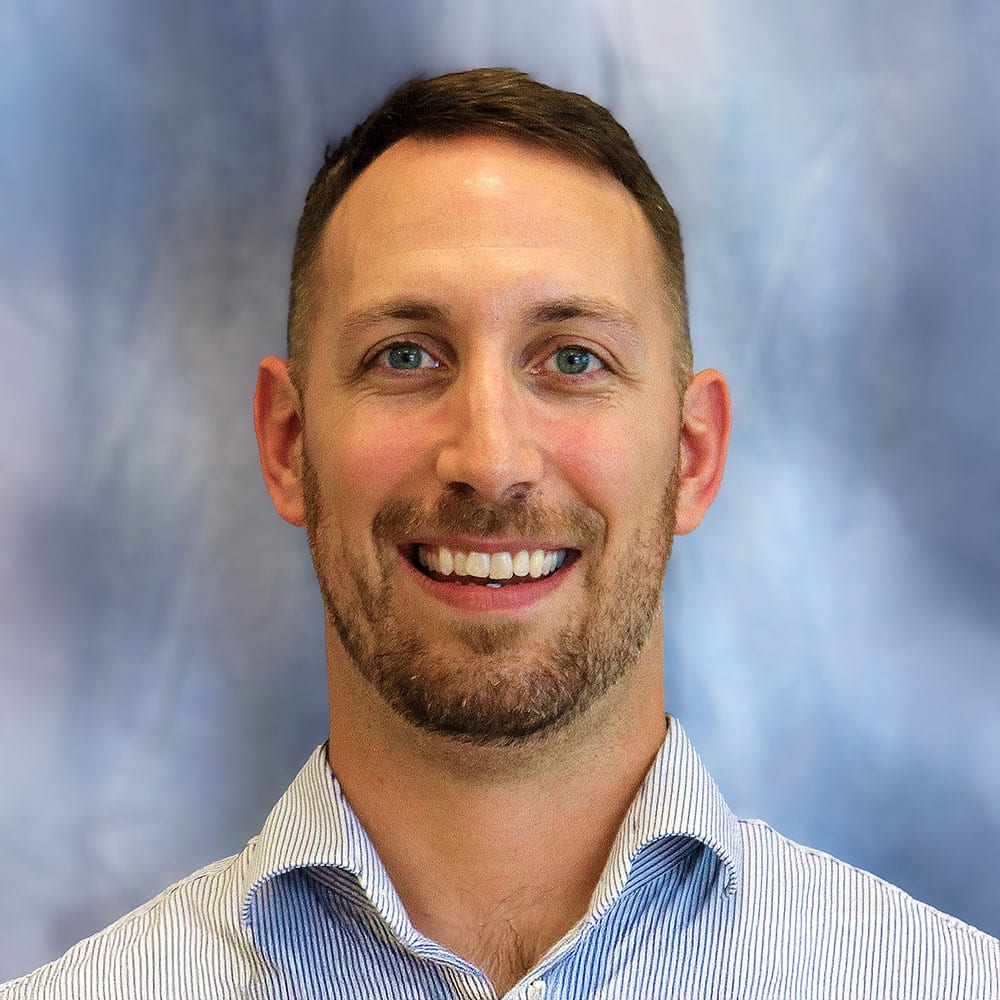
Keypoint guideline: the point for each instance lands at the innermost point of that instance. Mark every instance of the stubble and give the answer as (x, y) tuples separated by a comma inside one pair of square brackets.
[(490, 684)]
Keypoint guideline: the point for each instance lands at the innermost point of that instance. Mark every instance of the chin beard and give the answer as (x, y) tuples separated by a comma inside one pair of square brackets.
[(491, 685), (490, 689)]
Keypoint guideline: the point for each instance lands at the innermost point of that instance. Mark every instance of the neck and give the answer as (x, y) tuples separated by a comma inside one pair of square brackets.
[(495, 852)]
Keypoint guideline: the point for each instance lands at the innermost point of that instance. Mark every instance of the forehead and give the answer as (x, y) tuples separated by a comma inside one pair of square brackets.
[(475, 175), (481, 215)]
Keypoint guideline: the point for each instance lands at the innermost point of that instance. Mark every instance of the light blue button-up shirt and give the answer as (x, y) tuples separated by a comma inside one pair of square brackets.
[(693, 904)]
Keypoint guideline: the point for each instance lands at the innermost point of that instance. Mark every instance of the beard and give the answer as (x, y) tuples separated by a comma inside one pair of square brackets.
[(489, 684)]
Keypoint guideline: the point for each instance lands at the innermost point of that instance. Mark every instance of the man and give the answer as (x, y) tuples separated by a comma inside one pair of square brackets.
[(488, 424)]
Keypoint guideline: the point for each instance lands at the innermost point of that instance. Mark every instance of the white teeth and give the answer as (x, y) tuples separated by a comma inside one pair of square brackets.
[(501, 566), (536, 563), (445, 561), (490, 565), (477, 564)]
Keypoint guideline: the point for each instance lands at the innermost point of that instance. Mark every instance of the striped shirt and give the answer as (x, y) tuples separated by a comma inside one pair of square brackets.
[(693, 903)]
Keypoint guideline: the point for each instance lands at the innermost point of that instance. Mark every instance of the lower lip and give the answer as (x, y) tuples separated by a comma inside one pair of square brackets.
[(481, 598)]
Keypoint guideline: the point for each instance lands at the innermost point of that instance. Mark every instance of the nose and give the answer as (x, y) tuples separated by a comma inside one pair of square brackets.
[(490, 445)]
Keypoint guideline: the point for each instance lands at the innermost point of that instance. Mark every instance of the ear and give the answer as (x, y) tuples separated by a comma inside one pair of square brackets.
[(277, 419), (704, 438)]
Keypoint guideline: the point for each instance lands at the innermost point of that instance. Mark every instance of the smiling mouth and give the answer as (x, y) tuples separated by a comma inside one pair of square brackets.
[(488, 569)]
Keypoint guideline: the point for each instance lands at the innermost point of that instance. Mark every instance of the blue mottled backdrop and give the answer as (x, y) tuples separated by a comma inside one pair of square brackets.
[(834, 627)]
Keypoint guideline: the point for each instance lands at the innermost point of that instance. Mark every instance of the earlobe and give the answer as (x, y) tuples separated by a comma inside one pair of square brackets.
[(704, 438), (277, 418)]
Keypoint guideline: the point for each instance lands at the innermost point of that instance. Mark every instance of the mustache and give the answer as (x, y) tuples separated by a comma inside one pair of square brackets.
[(574, 525)]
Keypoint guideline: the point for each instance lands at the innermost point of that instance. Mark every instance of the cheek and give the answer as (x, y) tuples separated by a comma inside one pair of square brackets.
[(361, 458), (618, 467)]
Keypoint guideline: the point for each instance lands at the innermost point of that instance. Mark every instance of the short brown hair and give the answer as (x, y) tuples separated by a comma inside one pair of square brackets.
[(505, 103)]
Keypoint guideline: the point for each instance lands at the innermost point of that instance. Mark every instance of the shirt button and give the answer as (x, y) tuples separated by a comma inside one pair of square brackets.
[(536, 989)]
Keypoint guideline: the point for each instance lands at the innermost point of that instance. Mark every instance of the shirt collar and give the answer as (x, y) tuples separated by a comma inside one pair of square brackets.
[(678, 807), (312, 826)]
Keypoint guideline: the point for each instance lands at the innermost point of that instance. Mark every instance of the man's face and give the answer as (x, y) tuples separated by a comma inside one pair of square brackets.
[(490, 435)]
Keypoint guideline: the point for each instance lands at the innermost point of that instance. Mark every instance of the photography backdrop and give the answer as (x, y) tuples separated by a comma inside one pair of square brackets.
[(834, 626)]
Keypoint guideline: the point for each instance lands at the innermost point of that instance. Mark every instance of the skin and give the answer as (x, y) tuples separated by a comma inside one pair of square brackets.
[(504, 840)]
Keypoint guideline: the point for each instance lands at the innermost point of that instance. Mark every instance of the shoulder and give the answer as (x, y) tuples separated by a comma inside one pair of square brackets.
[(187, 941), (856, 930)]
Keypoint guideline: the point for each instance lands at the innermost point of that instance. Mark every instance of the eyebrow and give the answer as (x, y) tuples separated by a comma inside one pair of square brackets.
[(411, 310), (572, 307)]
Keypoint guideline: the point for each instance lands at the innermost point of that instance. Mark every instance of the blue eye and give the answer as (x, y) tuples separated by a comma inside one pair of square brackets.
[(407, 357), (575, 360)]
